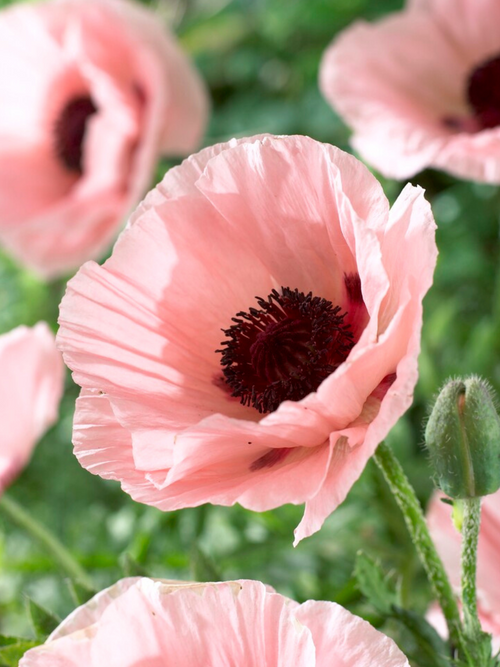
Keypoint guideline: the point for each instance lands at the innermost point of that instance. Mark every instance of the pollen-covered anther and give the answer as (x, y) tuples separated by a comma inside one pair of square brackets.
[(285, 349)]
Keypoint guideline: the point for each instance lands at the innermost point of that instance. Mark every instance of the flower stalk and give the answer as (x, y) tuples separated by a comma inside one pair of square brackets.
[(470, 536), (48, 540), (478, 641), (407, 500)]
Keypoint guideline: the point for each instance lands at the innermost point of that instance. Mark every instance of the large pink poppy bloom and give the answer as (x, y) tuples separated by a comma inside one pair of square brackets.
[(448, 543), (139, 622), (420, 88), (92, 92), (31, 384), (255, 333)]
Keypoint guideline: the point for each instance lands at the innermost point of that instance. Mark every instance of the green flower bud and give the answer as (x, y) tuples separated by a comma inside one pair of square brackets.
[(463, 437)]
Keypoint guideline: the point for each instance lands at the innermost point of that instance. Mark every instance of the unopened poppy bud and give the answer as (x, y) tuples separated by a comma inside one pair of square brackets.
[(463, 437)]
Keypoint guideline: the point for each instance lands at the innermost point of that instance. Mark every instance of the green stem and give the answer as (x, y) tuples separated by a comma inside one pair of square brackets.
[(59, 552), (470, 536), (478, 642), (408, 503)]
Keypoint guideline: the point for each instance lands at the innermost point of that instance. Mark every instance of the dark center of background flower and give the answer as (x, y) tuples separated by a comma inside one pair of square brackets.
[(285, 349), (483, 93), (70, 131)]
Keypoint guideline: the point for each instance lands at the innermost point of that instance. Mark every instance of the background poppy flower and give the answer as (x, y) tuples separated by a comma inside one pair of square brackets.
[(93, 92), (420, 88), (31, 385), (139, 622)]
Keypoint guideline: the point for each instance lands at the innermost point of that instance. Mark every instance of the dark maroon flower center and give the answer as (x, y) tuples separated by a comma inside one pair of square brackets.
[(285, 349), (70, 131), (483, 93)]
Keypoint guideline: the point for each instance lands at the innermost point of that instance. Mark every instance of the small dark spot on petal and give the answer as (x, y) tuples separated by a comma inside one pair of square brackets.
[(352, 283), (452, 123), (465, 124), (220, 382), (270, 459), (140, 93)]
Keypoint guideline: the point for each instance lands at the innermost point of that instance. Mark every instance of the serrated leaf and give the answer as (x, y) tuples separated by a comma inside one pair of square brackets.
[(374, 584), (433, 651), (79, 594), (42, 620), (130, 567), (203, 567), (11, 653)]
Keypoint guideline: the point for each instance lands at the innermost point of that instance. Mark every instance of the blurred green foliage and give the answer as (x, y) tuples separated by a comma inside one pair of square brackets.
[(260, 60)]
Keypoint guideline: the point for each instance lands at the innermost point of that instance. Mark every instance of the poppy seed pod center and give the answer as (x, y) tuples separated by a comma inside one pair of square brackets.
[(70, 130), (483, 92), (285, 349)]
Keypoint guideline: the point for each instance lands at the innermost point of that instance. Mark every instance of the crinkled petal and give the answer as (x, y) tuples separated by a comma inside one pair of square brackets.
[(222, 624), (353, 642), (139, 622)]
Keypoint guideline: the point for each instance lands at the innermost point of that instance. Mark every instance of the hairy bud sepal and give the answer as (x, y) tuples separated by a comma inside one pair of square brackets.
[(463, 438)]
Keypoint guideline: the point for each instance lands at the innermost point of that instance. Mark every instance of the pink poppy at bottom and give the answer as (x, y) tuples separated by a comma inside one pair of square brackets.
[(255, 334), (448, 543), (93, 91), (31, 385), (142, 622), (420, 88)]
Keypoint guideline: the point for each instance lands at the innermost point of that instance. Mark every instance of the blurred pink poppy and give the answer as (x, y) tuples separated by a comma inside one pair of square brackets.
[(93, 91), (142, 622), (420, 88), (255, 333), (448, 541), (31, 385)]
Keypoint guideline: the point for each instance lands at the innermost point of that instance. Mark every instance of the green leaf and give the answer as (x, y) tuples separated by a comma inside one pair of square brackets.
[(42, 620), (12, 650), (433, 651), (130, 567), (203, 567), (374, 584), (79, 594)]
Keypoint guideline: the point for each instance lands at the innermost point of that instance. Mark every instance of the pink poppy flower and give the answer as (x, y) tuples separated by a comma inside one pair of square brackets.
[(31, 385), (139, 622), (420, 88), (255, 333), (92, 92), (448, 543)]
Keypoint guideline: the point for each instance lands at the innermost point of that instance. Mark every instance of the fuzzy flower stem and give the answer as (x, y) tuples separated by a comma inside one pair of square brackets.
[(58, 551), (407, 500), (478, 642), (470, 536)]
